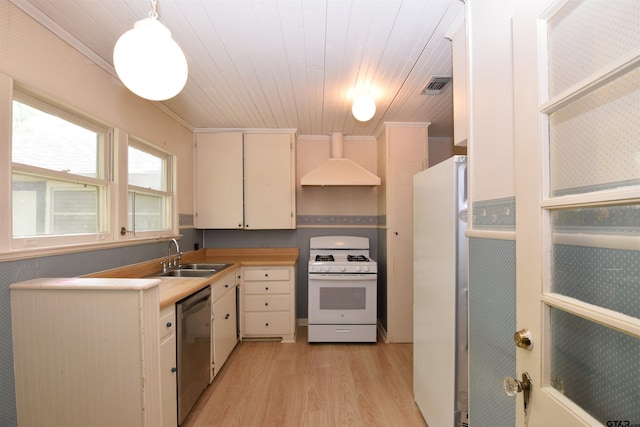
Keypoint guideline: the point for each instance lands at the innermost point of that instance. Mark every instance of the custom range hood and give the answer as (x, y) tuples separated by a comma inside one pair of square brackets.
[(339, 170)]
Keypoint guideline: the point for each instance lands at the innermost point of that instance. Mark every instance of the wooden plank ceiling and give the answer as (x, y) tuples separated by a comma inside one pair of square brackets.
[(284, 63)]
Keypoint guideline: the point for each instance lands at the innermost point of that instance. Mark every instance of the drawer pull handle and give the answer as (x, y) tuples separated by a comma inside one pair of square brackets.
[(266, 288), (226, 285), (174, 369), (266, 303), (169, 324), (266, 324), (266, 274), (227, 316)]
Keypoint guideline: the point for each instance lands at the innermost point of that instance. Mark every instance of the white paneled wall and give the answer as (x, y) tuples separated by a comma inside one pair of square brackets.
[(86, 352)]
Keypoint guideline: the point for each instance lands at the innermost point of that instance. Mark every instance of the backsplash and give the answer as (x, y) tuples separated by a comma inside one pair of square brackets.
[(298, 238)]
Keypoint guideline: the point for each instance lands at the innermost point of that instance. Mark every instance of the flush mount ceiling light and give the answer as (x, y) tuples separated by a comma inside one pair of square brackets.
[(364, 107), (148, 61)]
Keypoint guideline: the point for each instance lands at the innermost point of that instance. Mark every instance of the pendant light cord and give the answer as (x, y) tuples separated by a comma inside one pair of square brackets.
[(153, 13)]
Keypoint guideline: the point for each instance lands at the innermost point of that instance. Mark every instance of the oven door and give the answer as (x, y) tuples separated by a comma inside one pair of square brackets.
[(342, 299)]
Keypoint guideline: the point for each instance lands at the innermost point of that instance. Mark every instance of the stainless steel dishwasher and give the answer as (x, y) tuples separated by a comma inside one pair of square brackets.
[(193, 316)]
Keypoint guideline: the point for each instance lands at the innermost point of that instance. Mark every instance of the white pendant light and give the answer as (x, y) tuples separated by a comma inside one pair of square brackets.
[(148, 61), (364, 107)]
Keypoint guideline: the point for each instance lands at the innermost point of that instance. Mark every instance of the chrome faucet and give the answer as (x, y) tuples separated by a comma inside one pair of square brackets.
[(177, 262)]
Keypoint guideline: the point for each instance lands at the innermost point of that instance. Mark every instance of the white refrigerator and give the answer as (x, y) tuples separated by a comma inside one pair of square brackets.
[(440, 338)]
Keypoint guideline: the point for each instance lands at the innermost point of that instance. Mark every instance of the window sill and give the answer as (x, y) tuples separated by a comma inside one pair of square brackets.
[(18, 254)]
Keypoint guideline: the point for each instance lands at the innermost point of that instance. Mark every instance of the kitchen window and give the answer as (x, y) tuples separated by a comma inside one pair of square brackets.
[(61, 176), (63, 186), (150, 185)]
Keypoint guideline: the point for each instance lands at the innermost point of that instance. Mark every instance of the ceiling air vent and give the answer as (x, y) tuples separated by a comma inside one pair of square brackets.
[(435, 85)]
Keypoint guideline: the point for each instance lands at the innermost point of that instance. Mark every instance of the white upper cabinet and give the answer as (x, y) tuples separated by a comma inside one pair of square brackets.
[(245, 181), (219, 180)]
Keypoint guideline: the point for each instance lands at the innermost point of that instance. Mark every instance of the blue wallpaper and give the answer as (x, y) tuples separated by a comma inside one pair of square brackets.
[(492, 322), (69, 265)]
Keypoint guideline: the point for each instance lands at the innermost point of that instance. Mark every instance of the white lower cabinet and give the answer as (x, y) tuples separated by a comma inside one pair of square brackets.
[(168, 366), (224, 325), (86, 352), (269, 303)]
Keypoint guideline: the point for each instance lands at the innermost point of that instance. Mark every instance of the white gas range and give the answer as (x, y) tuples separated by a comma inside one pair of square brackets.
[(342, 290)]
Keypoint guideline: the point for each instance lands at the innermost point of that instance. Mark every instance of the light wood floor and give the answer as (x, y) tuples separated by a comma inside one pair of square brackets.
[(301, 384)]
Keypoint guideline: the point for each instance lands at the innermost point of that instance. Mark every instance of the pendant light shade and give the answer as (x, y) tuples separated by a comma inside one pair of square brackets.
[(363, 108), (149, 62)]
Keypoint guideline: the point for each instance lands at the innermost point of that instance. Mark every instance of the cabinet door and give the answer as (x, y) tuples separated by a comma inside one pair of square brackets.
[(219, 180), (407, 156), (168, 367), (269, 187), (224, 324), (400, 256)]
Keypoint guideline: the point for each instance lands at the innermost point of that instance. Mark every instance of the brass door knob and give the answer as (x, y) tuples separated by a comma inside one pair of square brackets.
[(523, 339)]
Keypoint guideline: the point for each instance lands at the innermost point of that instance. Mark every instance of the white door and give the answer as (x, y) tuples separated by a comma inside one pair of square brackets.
[(577, 139)]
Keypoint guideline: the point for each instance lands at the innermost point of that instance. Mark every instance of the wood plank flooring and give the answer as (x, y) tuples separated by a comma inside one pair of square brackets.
[(301, 384)]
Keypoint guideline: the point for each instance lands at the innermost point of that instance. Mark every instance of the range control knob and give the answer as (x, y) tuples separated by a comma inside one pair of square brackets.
[(343, 268)]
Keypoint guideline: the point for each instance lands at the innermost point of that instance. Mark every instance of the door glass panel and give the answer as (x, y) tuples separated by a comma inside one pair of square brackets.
[(585, 36), (594, 257), (586, 263), (594, 140), (596, 367)]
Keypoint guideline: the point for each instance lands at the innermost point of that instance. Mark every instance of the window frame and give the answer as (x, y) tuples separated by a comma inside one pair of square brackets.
[(112, 173), (104, 179), (168, 194)]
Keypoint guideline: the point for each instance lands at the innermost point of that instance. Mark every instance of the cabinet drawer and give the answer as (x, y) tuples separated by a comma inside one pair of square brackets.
[(266, 302), (266, 288), (167, 322), (221, 286), (267, 323), (266, 274)]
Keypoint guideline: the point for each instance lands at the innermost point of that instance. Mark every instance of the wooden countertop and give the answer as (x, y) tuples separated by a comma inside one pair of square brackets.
[(173, 289)]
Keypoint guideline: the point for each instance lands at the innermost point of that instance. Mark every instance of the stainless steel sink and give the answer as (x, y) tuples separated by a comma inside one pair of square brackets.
[(187, 273), (204, 266)]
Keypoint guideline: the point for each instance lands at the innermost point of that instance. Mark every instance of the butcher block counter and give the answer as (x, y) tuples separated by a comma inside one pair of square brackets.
[(173, 289)]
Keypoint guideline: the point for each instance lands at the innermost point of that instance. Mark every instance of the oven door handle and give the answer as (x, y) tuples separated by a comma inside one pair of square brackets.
[(341, 277)]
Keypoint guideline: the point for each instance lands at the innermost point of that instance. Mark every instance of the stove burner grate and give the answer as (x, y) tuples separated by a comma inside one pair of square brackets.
[(357, 258), (324, 258)]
